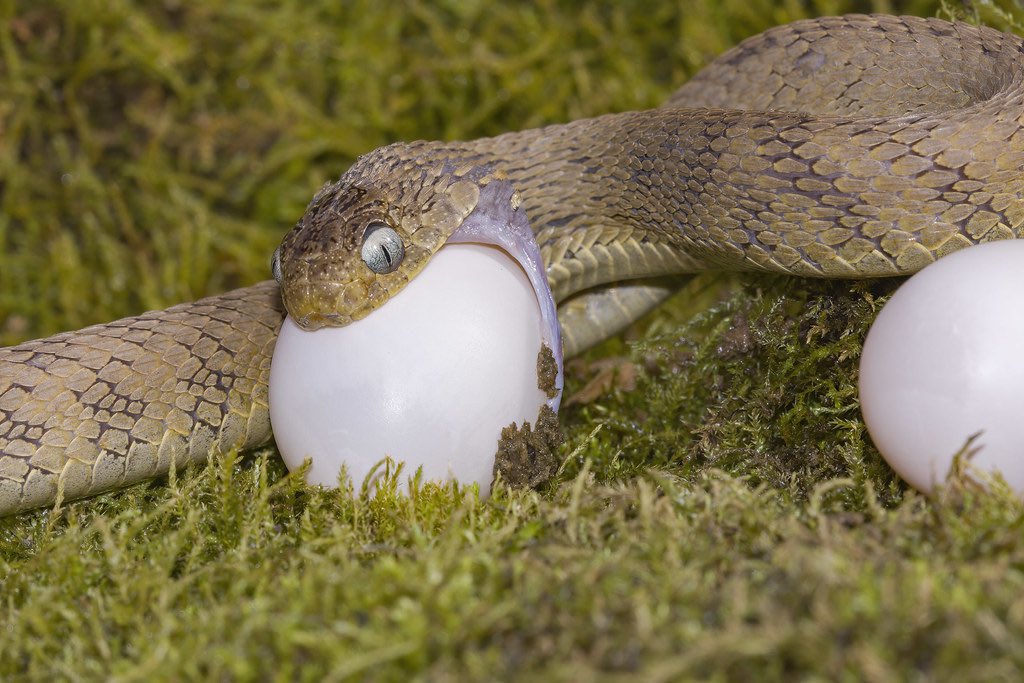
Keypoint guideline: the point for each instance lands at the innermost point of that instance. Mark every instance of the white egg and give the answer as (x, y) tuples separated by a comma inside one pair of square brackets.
[(944, 361), (429, 379)]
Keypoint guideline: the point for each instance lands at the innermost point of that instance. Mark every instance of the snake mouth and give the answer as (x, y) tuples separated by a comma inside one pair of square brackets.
[(315, 321), (309, 311), (319, 303)]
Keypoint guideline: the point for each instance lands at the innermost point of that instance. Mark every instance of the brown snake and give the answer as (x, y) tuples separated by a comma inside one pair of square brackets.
[(839, 147)]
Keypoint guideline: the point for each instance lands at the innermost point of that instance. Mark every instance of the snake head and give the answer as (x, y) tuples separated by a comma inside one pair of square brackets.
[(362, 238), (324, 278)]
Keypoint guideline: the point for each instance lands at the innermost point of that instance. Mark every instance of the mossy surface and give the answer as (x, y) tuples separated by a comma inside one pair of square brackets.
[(718, 514)]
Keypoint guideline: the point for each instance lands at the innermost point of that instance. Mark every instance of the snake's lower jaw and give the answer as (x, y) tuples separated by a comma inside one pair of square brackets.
[(498, 220)]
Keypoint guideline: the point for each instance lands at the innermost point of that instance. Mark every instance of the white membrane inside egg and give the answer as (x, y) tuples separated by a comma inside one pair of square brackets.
[(429, 379)]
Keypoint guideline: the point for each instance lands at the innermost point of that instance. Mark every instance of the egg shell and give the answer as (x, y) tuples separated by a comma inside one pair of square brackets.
[(944, 361), (430, 378)]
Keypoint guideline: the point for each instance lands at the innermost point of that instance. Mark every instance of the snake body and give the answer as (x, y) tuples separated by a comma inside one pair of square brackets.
[(857, 146)]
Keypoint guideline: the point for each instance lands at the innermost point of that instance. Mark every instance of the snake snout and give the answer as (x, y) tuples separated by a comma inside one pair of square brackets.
[(327, 303)]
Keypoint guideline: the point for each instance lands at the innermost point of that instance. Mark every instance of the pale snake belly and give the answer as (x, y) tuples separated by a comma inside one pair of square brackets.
[(858, 146)]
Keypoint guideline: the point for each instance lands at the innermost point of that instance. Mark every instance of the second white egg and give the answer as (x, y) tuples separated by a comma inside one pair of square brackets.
[(943, 363)]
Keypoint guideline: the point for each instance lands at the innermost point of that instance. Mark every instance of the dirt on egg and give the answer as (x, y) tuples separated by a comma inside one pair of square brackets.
[(527, 455)]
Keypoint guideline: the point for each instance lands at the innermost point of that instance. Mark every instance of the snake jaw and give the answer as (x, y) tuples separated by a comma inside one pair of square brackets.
[(314, 304), (315, 321), (499, 220)]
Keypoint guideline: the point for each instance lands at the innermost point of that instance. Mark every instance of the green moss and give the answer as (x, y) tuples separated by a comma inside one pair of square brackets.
[(726, 519), (762, 385)]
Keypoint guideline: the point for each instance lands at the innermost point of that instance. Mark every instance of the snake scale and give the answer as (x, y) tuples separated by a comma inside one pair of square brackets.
[(856, 146)]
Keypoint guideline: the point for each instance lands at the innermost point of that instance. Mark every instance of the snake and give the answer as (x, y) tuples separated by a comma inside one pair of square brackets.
[(858, 146)]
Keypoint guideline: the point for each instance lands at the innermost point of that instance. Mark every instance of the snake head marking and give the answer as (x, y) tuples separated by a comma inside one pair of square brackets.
[(362, 238), (342, 259)]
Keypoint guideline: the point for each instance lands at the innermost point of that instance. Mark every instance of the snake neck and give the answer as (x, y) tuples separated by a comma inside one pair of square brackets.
[(856, 183), (579, 189), (644, 194)]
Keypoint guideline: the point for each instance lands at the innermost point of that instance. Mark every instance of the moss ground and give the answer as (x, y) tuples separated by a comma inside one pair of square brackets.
[(719, 513)]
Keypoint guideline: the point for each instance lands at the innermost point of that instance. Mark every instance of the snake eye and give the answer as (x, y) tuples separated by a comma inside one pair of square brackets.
[(382, 248), (275, 265)]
